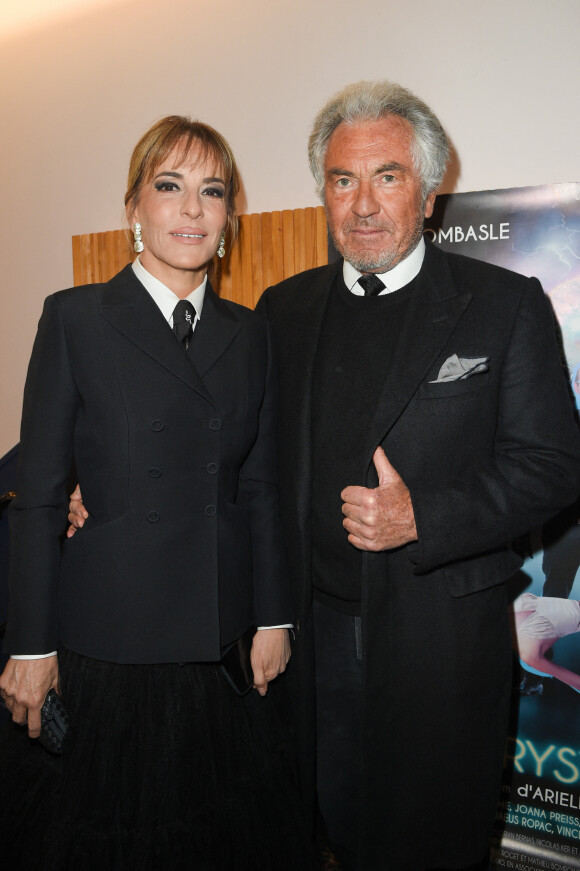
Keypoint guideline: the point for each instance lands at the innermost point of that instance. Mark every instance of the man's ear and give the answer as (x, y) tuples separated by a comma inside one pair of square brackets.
[(429, 204)]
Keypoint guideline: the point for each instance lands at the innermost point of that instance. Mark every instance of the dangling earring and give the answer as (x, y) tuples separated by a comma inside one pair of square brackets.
[(138, 243), (222, 247)]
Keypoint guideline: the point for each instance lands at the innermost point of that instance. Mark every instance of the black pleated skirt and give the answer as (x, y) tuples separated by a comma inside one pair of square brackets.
[(164, 768)]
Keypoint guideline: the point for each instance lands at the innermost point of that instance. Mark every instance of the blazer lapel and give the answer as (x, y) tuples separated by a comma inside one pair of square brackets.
[(214, 332), (302, 340), (432, 317), (302, 328), (127, 306)]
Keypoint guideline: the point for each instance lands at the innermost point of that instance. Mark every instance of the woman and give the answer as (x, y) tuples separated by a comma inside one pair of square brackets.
[(171, 436), (541, 621)]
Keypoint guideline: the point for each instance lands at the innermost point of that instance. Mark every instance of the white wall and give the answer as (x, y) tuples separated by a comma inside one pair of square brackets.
[(78, 90)]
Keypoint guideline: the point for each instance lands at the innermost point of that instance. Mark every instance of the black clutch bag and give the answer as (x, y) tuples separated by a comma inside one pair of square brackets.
[(236, 664), (53, 723)]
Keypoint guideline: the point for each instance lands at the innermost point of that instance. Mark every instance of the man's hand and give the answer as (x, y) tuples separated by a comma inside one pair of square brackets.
[(381, 518), (24, 685), (269, 656), (77, 512)]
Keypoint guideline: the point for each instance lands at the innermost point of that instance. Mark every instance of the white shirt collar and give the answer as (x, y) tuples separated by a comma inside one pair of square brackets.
[(397, 277), (164, 297)]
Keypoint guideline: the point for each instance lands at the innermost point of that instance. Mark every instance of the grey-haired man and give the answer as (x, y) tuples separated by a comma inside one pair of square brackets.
[(425, 423)]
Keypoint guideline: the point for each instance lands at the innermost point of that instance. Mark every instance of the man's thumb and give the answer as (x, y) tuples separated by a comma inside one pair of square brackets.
[(387, 474)]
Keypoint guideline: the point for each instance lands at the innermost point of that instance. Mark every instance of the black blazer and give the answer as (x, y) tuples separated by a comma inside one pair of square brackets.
[(175, 455)]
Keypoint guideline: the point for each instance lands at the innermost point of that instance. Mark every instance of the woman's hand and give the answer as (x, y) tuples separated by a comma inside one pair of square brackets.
[(269, 656), (24, 685), (77, 513)]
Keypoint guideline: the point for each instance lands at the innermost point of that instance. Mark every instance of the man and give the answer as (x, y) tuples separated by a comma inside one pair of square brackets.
[(425, 423)]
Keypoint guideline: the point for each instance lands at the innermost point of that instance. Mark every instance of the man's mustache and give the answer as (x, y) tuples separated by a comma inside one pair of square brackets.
[(365, 224)]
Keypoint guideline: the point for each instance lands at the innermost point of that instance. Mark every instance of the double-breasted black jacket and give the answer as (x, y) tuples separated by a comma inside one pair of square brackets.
[(175, 455), (486, 459)]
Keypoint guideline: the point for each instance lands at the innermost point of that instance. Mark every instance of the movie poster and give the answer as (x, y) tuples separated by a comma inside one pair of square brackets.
[(536, 231)]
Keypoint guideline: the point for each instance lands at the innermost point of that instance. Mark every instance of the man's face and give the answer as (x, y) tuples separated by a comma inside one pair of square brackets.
[(374, 204)]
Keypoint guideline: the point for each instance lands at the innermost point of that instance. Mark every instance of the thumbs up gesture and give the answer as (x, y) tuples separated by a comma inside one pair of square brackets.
[(381, 518)]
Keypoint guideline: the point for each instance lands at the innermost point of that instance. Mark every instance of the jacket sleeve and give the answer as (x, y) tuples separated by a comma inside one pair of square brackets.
[(38, 513), (534, 469)]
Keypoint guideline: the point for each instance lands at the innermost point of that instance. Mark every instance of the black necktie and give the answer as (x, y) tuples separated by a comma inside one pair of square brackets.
[(371, 284), (183, 320)]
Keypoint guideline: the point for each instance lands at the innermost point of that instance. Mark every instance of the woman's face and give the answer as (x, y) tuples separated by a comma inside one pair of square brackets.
[(182, 212)]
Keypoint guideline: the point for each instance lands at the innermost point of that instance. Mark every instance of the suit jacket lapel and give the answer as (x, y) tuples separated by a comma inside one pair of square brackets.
[(127, 306), (302, 328), (303, 343), (433, 313)]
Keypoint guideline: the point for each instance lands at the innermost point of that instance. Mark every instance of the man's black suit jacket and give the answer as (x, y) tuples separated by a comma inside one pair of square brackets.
[(486, 459), (175, 455)]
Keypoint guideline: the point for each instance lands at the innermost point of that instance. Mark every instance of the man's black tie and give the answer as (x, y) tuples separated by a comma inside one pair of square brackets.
[(183, 320), (371, 284)]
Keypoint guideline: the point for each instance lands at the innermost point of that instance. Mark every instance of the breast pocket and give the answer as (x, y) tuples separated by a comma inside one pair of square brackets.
[(446, 389)]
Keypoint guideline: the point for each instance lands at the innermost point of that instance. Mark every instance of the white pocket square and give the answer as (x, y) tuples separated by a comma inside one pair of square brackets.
[(459, 368)]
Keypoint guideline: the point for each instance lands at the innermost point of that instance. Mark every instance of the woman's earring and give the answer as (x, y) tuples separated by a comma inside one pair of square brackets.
[(222, 246), (138, 243)]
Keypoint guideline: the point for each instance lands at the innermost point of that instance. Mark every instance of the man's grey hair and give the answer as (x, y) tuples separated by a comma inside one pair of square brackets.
[(370, 101)]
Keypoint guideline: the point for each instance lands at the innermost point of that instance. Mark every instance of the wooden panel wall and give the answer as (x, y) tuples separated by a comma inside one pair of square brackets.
[(99, 256), (271, 246)]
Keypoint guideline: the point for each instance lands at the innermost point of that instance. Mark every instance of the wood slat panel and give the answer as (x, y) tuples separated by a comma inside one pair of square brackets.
[(321, 235), (244, 282), (257, 277), (271, 246), (99, 256), (77, 260), (288, 243), (299, 240), (267, 253), (275, 249)]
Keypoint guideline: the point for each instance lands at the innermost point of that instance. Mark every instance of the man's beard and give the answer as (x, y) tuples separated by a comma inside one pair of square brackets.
[(382, 260)]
